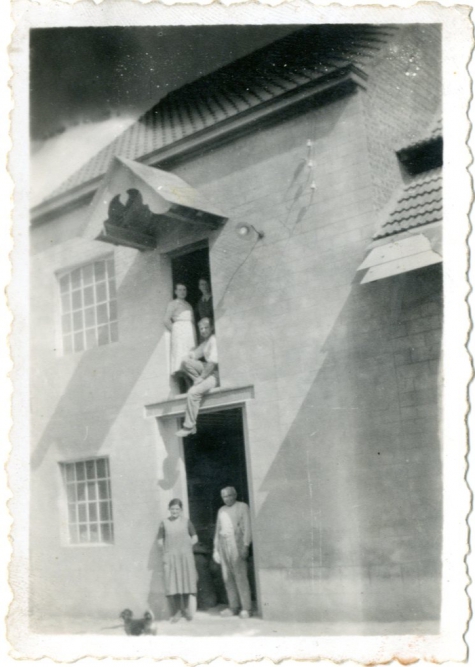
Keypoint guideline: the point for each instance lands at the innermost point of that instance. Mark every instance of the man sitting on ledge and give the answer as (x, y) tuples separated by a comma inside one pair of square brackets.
[(201, 366)]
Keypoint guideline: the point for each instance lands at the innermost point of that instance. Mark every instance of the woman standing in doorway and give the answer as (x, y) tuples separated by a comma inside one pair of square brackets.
[(179, 321), (177, 536)]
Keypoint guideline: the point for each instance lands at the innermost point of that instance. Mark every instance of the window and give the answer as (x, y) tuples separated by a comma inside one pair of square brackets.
[(89, 306), (88, 494)]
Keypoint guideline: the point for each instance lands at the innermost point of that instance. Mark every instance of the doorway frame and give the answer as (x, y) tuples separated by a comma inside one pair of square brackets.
[(187, 249), (250, 482)]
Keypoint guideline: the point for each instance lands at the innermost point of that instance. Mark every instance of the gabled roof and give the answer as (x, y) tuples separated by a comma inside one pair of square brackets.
[(293, 62), (420, 204), (411, 237)]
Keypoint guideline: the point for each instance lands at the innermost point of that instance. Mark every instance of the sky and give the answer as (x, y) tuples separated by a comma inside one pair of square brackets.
[(87, 74), (87, 85)]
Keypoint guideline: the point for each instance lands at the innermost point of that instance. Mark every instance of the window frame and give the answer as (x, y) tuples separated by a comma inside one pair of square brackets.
[(60, 336), (66, 524)]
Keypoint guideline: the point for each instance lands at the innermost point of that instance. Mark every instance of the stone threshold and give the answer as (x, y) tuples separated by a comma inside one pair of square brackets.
[(216, 399)]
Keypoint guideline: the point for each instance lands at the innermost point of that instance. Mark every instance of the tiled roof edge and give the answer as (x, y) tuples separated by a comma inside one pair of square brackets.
[(349, 77)]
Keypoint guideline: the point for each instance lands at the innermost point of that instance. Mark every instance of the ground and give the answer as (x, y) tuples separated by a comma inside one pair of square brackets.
[(211, 624)]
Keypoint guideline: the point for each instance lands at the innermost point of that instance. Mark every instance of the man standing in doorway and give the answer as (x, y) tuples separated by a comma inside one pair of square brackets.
[(231, 550), (201, 366)]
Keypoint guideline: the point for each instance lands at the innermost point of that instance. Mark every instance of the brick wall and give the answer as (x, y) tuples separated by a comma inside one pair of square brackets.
[(402, 100)]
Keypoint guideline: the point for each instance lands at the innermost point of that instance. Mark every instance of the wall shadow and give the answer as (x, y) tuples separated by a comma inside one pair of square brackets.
[(354, 495), (102, 381)]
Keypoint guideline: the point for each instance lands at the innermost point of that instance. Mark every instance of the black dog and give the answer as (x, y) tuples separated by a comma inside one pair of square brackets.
[(137, 626)]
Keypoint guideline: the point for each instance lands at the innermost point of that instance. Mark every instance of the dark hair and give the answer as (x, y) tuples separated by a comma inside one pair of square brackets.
[(175, 501), (207, 280)]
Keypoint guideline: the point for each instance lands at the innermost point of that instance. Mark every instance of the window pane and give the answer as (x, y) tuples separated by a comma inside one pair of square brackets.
[(104, 511), (112, 310), (89, 508), (103, 490), (87, 274), (101, 468), (64, 283), (106, 530), (88, 300), (103, 335), (102, 314), (80, 471), (76, 279), (92, 512), (65, 303), (67, 344), (90, 469), (78, 342), (77, 320), (66, 324), (91, 340), (72, 513), (101, 294), (77, 299), (90, 317), (91, 490), (82, 516), (88, 296), (114, 332), (99, 270)]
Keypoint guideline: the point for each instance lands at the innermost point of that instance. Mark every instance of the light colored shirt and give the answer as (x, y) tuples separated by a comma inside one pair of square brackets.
[(239, 516), (208, 349)]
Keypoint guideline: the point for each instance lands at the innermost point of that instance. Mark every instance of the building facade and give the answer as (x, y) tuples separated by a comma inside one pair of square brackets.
[(304, 182)]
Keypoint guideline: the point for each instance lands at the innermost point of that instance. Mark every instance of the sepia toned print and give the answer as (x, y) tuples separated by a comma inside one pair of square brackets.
[(236, 325)]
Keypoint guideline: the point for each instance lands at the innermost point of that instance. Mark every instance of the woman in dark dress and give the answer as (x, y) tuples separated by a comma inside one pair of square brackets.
[(177, 536)]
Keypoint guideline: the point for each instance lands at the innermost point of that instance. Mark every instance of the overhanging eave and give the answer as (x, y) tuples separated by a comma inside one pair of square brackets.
[(135, 202), (401, 253)]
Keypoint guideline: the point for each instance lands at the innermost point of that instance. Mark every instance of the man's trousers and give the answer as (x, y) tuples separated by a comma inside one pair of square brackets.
[(193, 368), (236, 582)]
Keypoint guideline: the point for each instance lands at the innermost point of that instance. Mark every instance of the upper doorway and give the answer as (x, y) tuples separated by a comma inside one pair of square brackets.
[(188, 268)]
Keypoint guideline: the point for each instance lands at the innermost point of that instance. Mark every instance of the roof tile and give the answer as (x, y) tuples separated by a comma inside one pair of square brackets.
[(420, 204), (284, 65)]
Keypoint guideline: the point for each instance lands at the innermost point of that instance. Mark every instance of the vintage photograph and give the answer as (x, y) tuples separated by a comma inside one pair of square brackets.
[(236, 317)]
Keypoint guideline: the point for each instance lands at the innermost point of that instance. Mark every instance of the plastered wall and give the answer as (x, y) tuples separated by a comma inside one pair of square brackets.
[(342, 432)]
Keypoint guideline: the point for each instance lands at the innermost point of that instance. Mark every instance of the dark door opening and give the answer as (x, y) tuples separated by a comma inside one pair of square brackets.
[(214, 458), (188, 268)]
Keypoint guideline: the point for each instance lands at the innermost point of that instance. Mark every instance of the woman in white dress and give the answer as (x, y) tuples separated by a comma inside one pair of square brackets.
[(179, 321)]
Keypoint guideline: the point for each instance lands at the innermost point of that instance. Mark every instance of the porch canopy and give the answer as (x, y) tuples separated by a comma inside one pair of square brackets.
[(136, 203)]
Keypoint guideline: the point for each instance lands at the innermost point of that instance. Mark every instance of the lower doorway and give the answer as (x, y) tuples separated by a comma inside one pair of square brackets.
[(214, 458)]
